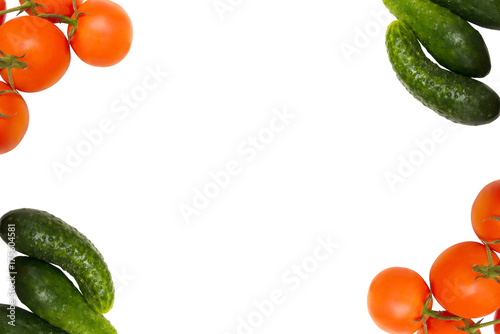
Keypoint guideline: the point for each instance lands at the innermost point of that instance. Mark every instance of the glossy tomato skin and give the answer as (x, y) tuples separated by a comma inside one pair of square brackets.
[(438, 326), (3, 6), (104, 33), (485, 206), (454, 284), (45, 50), (396, 298), (13, 128), (59, 7)]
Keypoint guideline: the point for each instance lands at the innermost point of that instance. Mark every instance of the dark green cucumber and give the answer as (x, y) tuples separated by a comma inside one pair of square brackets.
[(450, 39), (41, 235), (459, 98), (484, 13), (16, 320), (49, 293)]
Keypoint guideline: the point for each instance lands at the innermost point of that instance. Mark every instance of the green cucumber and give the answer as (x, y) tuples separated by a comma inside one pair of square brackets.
[(456, 97), (16, 320), (49, 293), (484, 13), (41, 235), (450, 39)]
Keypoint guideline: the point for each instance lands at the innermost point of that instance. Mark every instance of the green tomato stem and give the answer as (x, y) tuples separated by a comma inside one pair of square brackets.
[(62, 18), (474, 328), (24, 7), (435, 314)]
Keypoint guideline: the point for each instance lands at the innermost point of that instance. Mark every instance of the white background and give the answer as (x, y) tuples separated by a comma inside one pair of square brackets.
[(322, 177)]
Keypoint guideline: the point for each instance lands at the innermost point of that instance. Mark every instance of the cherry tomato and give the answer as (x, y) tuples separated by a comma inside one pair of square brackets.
[(59, 7), (454, 284), (12, 128), (439, 326), (103, 35), (396, 298), (3, 6), (485, 206), (41, 45)]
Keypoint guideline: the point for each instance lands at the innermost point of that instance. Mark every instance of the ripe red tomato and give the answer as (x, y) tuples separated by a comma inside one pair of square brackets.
[(103, 35), (59, 7), (12, 128), (485, 206), (3, 6), (439, 326), (396, 298), (454, 284), (45, 50)]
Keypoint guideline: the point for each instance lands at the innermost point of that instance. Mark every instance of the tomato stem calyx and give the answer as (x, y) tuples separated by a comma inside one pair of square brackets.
[(10, 62), (468, 328), (489, 271)]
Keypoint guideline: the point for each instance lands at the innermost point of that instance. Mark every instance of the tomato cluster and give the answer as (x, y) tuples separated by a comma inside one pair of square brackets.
[(35, 54), (464, 280)]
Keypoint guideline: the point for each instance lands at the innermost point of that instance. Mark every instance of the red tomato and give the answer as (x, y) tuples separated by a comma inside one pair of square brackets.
[(3, 6), (103, 35), (454, 284), (12, 128), (59, 7), (396, 298), (45, 50), (438, 326), (485, 206)]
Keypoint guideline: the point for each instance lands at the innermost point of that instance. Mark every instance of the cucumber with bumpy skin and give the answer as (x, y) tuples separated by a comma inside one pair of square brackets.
[(19, 321), (43, 236), (484, 13), (450, 39), (49, 293), (458, 98)]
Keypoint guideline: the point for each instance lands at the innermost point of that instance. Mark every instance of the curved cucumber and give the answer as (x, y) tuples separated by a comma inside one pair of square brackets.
[(450, 39), (458, 98), (41, 235), (49, 293), (20, 321), (484, 13)]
